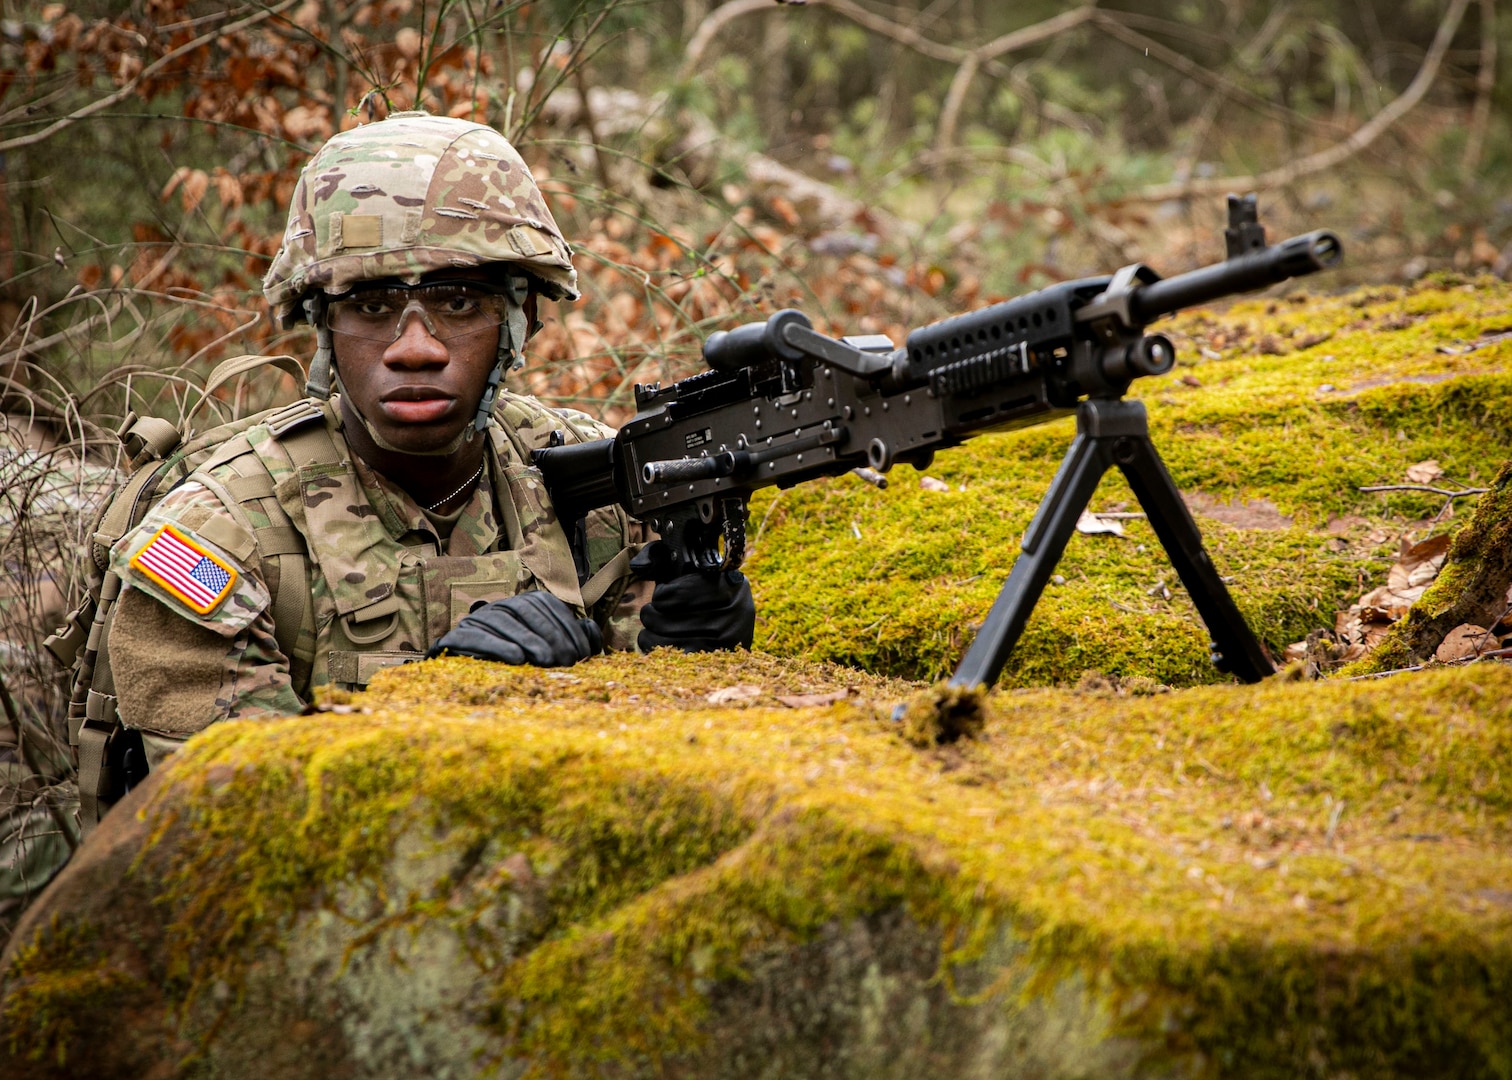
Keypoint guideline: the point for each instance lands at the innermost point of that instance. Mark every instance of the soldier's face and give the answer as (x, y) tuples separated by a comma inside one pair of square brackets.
[(417, 390)]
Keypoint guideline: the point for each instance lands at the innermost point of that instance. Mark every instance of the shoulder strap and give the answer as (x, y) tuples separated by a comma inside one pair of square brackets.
[(227, 370), (281, 546)]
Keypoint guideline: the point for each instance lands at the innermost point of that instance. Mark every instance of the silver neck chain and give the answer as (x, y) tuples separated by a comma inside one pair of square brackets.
[(471, 480)]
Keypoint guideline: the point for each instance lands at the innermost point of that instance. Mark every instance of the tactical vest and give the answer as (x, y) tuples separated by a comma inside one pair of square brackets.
[(294, 499)]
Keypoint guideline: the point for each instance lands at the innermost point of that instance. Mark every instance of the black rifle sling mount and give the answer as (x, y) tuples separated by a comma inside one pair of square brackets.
[(1112, 432)]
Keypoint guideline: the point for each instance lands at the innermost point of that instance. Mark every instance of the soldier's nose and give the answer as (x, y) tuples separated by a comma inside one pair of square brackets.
[(415, 346)]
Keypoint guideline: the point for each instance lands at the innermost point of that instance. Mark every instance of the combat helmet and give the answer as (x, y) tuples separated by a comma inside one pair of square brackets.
[(405, 196)]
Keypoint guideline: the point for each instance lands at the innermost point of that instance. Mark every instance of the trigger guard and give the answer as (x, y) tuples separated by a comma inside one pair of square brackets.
[(734, 529)]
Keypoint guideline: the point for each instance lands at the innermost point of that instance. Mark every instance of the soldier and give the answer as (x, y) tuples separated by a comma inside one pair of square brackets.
[(399, 517)]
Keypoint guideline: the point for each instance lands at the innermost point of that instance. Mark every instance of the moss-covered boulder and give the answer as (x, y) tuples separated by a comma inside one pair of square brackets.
[(735, 866), (1277, 414)]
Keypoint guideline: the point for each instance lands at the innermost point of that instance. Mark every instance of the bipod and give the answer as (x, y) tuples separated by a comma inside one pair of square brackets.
[(1112, 432)]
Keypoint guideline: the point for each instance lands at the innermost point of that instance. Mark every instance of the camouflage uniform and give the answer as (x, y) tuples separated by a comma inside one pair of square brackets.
[(405, 197), (383, 583)]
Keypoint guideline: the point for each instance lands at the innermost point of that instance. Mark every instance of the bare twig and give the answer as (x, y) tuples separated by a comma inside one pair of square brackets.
[(1426, 488), (960, 85), (1376, 126), (1383, 674), (725, 14), (129, 87), (118, 299), (1116, 24)]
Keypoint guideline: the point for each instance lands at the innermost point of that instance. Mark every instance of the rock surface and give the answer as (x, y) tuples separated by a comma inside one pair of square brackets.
[(478, 870)]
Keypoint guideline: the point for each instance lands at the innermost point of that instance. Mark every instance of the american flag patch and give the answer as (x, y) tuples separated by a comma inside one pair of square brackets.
[(185, 569)]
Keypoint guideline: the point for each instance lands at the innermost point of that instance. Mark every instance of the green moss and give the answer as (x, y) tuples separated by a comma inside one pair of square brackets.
[(1264, 877), (896, 581), (52, 986)]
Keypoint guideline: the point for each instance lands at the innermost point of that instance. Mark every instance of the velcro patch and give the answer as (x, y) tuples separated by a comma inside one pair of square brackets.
[(185, 569), (529, 242), (360, 230)]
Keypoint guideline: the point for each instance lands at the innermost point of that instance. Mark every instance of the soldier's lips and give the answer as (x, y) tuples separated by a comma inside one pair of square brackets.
[(411, 406)]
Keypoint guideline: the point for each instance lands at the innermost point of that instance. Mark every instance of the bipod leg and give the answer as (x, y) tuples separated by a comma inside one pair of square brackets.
[(1236, 649), (1044, 542)]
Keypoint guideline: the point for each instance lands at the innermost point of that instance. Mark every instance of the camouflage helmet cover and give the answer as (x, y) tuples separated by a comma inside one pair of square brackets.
[(408, 195)]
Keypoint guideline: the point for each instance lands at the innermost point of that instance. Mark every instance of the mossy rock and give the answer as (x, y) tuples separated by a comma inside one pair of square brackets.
[(734, 866), (1277, 413)]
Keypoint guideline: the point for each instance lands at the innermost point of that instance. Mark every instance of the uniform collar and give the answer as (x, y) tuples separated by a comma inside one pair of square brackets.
[(476, 531)]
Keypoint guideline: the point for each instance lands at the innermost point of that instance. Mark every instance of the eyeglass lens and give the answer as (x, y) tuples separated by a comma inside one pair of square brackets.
[(449, 311)]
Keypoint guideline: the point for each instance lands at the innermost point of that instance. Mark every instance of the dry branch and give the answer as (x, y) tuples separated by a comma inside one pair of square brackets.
[(955, 97), (28, 349), (725, 14), (1333, 155), (1117, 25), (129, 87), (616, 111)]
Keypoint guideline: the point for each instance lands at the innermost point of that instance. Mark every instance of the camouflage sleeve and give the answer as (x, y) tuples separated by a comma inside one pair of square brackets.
[(192, 641)]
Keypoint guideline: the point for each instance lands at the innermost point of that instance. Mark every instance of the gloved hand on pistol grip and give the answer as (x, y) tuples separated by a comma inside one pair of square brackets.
[(695, 611), (530, 628)]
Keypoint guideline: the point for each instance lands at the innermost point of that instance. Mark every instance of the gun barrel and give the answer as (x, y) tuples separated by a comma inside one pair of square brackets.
[(1296, 257), (580, 477)]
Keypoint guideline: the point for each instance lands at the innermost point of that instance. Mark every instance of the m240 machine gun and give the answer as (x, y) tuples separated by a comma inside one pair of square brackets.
[(782, 404)]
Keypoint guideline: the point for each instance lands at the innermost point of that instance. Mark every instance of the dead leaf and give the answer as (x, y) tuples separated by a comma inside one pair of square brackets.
[(735, 695), (306, 123), (408, 42), (1369, 618), (1464, 642), (1418, 564), (1093, 524), (803, 701), (1424, 472)]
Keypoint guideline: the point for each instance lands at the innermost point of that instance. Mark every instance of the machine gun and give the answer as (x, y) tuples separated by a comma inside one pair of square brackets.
[(782, 403)]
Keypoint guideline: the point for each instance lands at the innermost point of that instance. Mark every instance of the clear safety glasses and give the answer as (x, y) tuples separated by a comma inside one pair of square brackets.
[(449, 310)]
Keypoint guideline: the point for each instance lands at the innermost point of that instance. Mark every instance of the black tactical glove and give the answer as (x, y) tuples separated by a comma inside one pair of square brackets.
[(696, 612), (531, 628)]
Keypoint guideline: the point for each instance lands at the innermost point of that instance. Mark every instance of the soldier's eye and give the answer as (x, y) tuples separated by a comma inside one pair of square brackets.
[(371, 307), (459, 304)]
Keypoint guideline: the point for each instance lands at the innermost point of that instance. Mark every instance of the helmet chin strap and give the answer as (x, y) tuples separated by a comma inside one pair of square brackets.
[(511, 352), (318, 385), (324, 375)]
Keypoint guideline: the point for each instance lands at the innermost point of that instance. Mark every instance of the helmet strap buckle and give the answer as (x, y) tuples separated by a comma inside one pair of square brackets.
[(318, 384)]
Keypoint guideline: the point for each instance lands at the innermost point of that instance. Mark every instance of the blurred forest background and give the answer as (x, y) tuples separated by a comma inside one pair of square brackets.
[(878, 163)]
